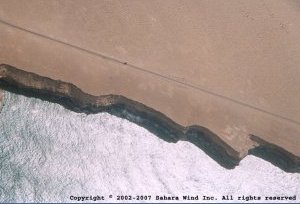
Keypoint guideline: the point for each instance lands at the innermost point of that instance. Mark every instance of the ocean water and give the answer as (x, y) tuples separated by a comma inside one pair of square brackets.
[(48, 153)]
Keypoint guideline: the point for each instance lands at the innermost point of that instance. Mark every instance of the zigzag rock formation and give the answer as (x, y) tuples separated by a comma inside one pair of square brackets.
[(73, 98)]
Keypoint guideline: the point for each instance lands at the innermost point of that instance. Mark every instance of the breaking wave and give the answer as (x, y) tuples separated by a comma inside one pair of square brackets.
[(48, 153)]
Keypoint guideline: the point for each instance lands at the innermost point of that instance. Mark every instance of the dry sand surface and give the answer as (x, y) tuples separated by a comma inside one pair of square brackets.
[(230, 66)]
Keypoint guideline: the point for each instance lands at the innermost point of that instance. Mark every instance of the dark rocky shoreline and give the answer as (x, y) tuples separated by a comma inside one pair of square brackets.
[(72, 98)]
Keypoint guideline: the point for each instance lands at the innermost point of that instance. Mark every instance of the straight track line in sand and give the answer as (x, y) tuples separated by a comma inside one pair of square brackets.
[(131, 66)]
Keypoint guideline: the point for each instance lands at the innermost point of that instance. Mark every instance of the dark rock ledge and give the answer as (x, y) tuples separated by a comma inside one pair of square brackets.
[(72, 98)]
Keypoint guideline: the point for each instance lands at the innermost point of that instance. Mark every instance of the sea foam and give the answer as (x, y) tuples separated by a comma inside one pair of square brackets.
[(48, 153)]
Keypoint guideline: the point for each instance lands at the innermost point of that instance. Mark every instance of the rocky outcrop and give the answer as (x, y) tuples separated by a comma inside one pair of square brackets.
[(71, 97)]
